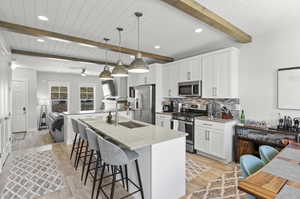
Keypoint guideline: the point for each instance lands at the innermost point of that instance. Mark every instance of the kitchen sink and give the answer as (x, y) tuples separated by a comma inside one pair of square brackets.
[(131, 125)]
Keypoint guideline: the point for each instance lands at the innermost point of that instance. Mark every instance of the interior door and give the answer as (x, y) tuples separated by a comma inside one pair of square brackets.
[(19, 106), (5, 109)]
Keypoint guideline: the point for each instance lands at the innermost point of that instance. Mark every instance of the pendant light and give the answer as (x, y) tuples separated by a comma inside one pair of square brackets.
[(138, 65), (105, 74), (119, 70)]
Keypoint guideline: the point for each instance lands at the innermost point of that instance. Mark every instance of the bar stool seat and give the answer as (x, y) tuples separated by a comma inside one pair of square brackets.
[(118, 157), (131, 155)]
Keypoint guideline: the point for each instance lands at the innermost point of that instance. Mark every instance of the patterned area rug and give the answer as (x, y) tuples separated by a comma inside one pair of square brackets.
[(32, 175), (194, 169), (224, 187)]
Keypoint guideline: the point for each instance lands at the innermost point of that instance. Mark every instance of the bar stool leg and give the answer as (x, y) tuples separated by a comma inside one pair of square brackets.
[(77, 151), (89, 166), (126, 176), (113, 183), (101, 179), (122, 176), (96, 172), (84, 161), (73, 147), (80, 151), (139, 178)]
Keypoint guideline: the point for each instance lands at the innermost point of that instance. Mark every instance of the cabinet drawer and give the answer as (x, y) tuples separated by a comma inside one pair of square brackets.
[(162, 116), (210, 124)]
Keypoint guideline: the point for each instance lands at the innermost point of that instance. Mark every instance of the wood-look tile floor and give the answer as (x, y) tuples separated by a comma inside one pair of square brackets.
[(74, 188)]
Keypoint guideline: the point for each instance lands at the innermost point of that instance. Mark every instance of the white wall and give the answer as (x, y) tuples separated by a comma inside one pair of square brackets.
[(30, 77), (74, 81), (259, 62)]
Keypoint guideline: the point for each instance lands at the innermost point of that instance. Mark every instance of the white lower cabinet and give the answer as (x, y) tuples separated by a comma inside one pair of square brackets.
[(163, 121), (215, 139), (201, 142)]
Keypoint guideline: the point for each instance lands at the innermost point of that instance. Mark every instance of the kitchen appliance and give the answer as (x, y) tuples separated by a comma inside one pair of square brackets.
[(185, 121), (168, 107), (144, 103), (193, 88)]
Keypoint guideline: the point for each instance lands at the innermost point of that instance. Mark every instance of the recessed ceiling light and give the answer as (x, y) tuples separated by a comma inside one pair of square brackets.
[(198, 30), (43, 18), (40, 40), (57, 39), (157, 47)]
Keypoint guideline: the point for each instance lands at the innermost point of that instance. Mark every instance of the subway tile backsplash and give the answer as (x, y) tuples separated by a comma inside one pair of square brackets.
[(233, 104)]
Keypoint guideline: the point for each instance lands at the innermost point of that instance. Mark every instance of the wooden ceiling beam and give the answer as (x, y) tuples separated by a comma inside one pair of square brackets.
[(195, 9), (45, 55), (44, 33)]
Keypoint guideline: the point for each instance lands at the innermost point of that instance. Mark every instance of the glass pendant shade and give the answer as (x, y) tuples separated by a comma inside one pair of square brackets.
[(138, 65)]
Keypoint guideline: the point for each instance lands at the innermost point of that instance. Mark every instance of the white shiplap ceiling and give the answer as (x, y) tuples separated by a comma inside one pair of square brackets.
[(161, 25)]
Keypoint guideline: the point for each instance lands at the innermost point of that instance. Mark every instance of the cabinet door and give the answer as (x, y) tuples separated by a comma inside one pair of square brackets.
[(166, 123), (208, 76), (173, 77), (158, 121), (216, 143), (184, 71), (166, 81), (201, 139), (151, 75), (196, 69), (223, 75)]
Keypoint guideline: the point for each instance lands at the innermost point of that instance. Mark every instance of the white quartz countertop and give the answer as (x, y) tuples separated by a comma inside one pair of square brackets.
[(134, 138)]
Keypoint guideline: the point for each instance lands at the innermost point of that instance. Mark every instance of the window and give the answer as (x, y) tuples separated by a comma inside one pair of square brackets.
[(87, 98), (59, 99)]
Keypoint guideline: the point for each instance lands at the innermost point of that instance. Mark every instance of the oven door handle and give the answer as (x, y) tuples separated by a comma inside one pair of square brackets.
[(185, 122)]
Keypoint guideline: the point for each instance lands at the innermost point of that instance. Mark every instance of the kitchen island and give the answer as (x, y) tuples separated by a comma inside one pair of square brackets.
[(161, 155)]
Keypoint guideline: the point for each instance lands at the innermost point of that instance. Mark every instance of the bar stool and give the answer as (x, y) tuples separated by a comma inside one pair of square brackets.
[(84, 140), (267, 153), (116, 157), (94, 148), (249, 165), (76, 131)]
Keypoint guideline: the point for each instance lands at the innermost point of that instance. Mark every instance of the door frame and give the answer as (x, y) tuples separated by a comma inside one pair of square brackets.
[(26, 101)]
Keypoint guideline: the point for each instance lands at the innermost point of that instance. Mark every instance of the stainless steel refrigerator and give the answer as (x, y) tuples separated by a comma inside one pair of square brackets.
[(145, 103)]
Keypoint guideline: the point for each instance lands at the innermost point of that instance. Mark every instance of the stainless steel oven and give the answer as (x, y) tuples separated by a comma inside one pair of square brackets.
[(193, 88), (185, 122)]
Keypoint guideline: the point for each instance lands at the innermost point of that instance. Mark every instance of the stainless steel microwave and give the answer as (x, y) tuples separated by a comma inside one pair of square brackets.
[(193, 88)]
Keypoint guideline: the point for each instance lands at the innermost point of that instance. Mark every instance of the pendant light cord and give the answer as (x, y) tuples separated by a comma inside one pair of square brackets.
[(106, 66), (139, 37), (119, 29)]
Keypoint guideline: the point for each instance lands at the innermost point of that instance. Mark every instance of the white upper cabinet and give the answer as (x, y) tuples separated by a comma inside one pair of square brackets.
[(170, 79), (166, 81), (220, 74), (190, 69)]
